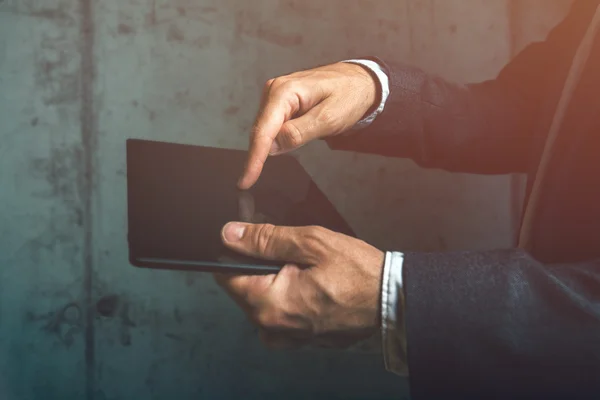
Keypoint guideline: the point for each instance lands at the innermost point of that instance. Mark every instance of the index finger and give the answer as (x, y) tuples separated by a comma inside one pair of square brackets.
[(268, 124)]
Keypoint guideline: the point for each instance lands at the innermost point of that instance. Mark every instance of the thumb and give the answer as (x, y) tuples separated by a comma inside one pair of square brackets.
[(295, 133), (266, 241)]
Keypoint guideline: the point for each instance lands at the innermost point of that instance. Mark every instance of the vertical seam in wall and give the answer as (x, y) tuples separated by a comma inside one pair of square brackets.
[(86, 178)]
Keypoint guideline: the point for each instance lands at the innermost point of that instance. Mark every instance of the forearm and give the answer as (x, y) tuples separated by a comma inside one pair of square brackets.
[(486, 127), (479, 128)]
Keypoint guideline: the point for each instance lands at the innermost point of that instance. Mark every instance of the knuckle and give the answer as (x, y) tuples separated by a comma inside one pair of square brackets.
[(267, 320), (255, 131), (315, 238), (289, 85), (326, 117), (264, 238), (278, 82), (317, 231), (286, 89), (293, 135), (269, 84), (317, 234)]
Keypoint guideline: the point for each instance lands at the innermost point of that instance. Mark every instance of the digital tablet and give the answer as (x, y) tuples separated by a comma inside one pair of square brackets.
[(179, 197)]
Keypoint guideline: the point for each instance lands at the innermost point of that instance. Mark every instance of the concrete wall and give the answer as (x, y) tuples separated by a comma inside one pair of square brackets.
[(41, 219), (76, 321)]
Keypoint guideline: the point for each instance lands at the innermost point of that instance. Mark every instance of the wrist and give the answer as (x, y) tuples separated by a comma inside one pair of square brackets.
[(373, 92), (379, 77), (376, 272)]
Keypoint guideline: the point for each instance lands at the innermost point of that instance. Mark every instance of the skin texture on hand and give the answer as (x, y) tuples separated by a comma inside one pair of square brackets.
[(327, 295), (306, 106), (328, 292)]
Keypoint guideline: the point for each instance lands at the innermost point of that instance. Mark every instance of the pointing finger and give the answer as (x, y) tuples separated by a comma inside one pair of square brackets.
[(267, 126)]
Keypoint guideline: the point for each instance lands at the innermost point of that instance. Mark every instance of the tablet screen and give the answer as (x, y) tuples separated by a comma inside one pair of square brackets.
[(180, 197)]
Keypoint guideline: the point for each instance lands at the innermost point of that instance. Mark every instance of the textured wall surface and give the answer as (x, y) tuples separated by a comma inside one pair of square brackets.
[(41, 219), (76, 321)]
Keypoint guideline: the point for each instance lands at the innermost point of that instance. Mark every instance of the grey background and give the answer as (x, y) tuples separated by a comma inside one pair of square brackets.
[(78, 77)]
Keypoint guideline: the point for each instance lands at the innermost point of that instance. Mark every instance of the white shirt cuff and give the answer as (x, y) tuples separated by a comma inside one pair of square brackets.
[(392, 315), (384, 85)]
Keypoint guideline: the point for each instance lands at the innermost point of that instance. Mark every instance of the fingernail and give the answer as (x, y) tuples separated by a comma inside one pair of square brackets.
[(275, 148), (234, 232)]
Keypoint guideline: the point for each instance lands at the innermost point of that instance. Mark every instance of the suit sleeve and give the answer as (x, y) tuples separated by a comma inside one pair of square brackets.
[(501, 323), (484, 128)]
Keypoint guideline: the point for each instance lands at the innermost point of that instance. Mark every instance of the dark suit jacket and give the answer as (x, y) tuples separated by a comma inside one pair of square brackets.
[(505, 323)]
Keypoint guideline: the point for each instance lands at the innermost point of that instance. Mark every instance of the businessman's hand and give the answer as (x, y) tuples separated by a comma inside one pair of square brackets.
[(327, 295), (305, 106)]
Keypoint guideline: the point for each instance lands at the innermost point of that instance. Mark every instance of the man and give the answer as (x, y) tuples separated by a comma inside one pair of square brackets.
[(514, 323)]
